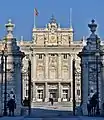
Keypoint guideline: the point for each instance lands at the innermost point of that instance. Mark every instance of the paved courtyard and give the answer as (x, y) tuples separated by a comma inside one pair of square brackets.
[(48, 112), (71, 118), (51, 114)]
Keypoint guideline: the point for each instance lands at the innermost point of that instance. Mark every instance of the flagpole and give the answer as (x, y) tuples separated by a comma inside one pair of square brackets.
[(34, 19), (70, 19)]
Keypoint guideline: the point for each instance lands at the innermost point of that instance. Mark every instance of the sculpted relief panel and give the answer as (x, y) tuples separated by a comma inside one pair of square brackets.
[(49, 38), (40, 40), (52, 67), (40, 70), (65, 70), (53, 39), (65, 40)]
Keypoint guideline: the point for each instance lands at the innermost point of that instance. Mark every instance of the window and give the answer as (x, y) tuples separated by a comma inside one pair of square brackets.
[(40, 56), (52, 54), (26, 92), (65, 56), (65, 94), (78, 84), (78, 92), (40, 94)]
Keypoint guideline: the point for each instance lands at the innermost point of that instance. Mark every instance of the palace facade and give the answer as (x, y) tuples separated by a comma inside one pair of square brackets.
[(52, 51)]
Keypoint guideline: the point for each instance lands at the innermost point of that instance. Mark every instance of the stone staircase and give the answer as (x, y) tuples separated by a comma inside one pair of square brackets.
[(57, 105)]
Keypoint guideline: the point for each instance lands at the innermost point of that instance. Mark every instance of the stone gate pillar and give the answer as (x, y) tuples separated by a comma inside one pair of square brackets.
[(91, 68), (14, 64)]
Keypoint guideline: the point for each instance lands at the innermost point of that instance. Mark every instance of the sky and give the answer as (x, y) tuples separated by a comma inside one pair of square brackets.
[(22, 14)]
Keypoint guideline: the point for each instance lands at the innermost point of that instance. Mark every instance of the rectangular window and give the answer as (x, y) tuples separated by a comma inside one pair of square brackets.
[(65, 94), (78, 92), (40, 94), (65, 56), (40, 56), (26, 92), (52, 54)]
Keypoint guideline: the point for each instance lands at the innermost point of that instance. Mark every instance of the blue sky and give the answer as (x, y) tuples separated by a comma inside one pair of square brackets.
[(22, 14)]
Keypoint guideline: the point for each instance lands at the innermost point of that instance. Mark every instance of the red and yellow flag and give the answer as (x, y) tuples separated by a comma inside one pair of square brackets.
[(36, 12)]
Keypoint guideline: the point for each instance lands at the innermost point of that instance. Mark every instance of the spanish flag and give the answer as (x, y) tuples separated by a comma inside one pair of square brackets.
[(36, 12)]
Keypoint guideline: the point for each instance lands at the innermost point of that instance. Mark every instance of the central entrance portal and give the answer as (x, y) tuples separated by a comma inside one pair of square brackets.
[(53, 94)]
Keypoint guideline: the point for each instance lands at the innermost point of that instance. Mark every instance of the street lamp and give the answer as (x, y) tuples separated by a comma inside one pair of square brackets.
[(74, 102), (2, 74), (29, 86), (5, 90)]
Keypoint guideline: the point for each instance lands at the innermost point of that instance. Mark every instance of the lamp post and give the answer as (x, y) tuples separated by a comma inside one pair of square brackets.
[(29, 86), (2, 74), (74, 102), (97, 82), (5, 90)]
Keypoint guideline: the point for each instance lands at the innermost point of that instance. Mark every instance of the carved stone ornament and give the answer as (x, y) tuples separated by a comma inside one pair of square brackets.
[(53, 39)]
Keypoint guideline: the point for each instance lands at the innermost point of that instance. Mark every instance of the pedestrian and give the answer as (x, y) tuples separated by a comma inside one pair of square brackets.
[(25, 102), (11, 103), (89, 108), (51, 101)]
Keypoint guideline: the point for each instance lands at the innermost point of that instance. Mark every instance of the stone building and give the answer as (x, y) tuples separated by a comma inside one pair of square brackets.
[(52, 51)]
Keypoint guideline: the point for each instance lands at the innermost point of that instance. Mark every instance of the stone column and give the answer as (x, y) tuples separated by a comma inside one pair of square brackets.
[(34, 91), (59, 92), (46, 92), (71, 77), (85, 87), (59, 66), (46, 66), (33, 69)]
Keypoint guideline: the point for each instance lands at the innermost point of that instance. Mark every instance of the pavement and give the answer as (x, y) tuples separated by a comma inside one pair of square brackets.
[(71, 118), (48, 112)]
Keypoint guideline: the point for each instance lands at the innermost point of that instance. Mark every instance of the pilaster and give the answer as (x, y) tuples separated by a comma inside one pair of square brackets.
[(59, 66), (33, 72), (71, 77), (70, 66), (59, 92), (46, 66), (46, 92), (34, 91)]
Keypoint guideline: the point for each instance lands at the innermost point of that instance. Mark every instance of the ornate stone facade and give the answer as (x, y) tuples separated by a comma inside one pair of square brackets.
[(52, 50)]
